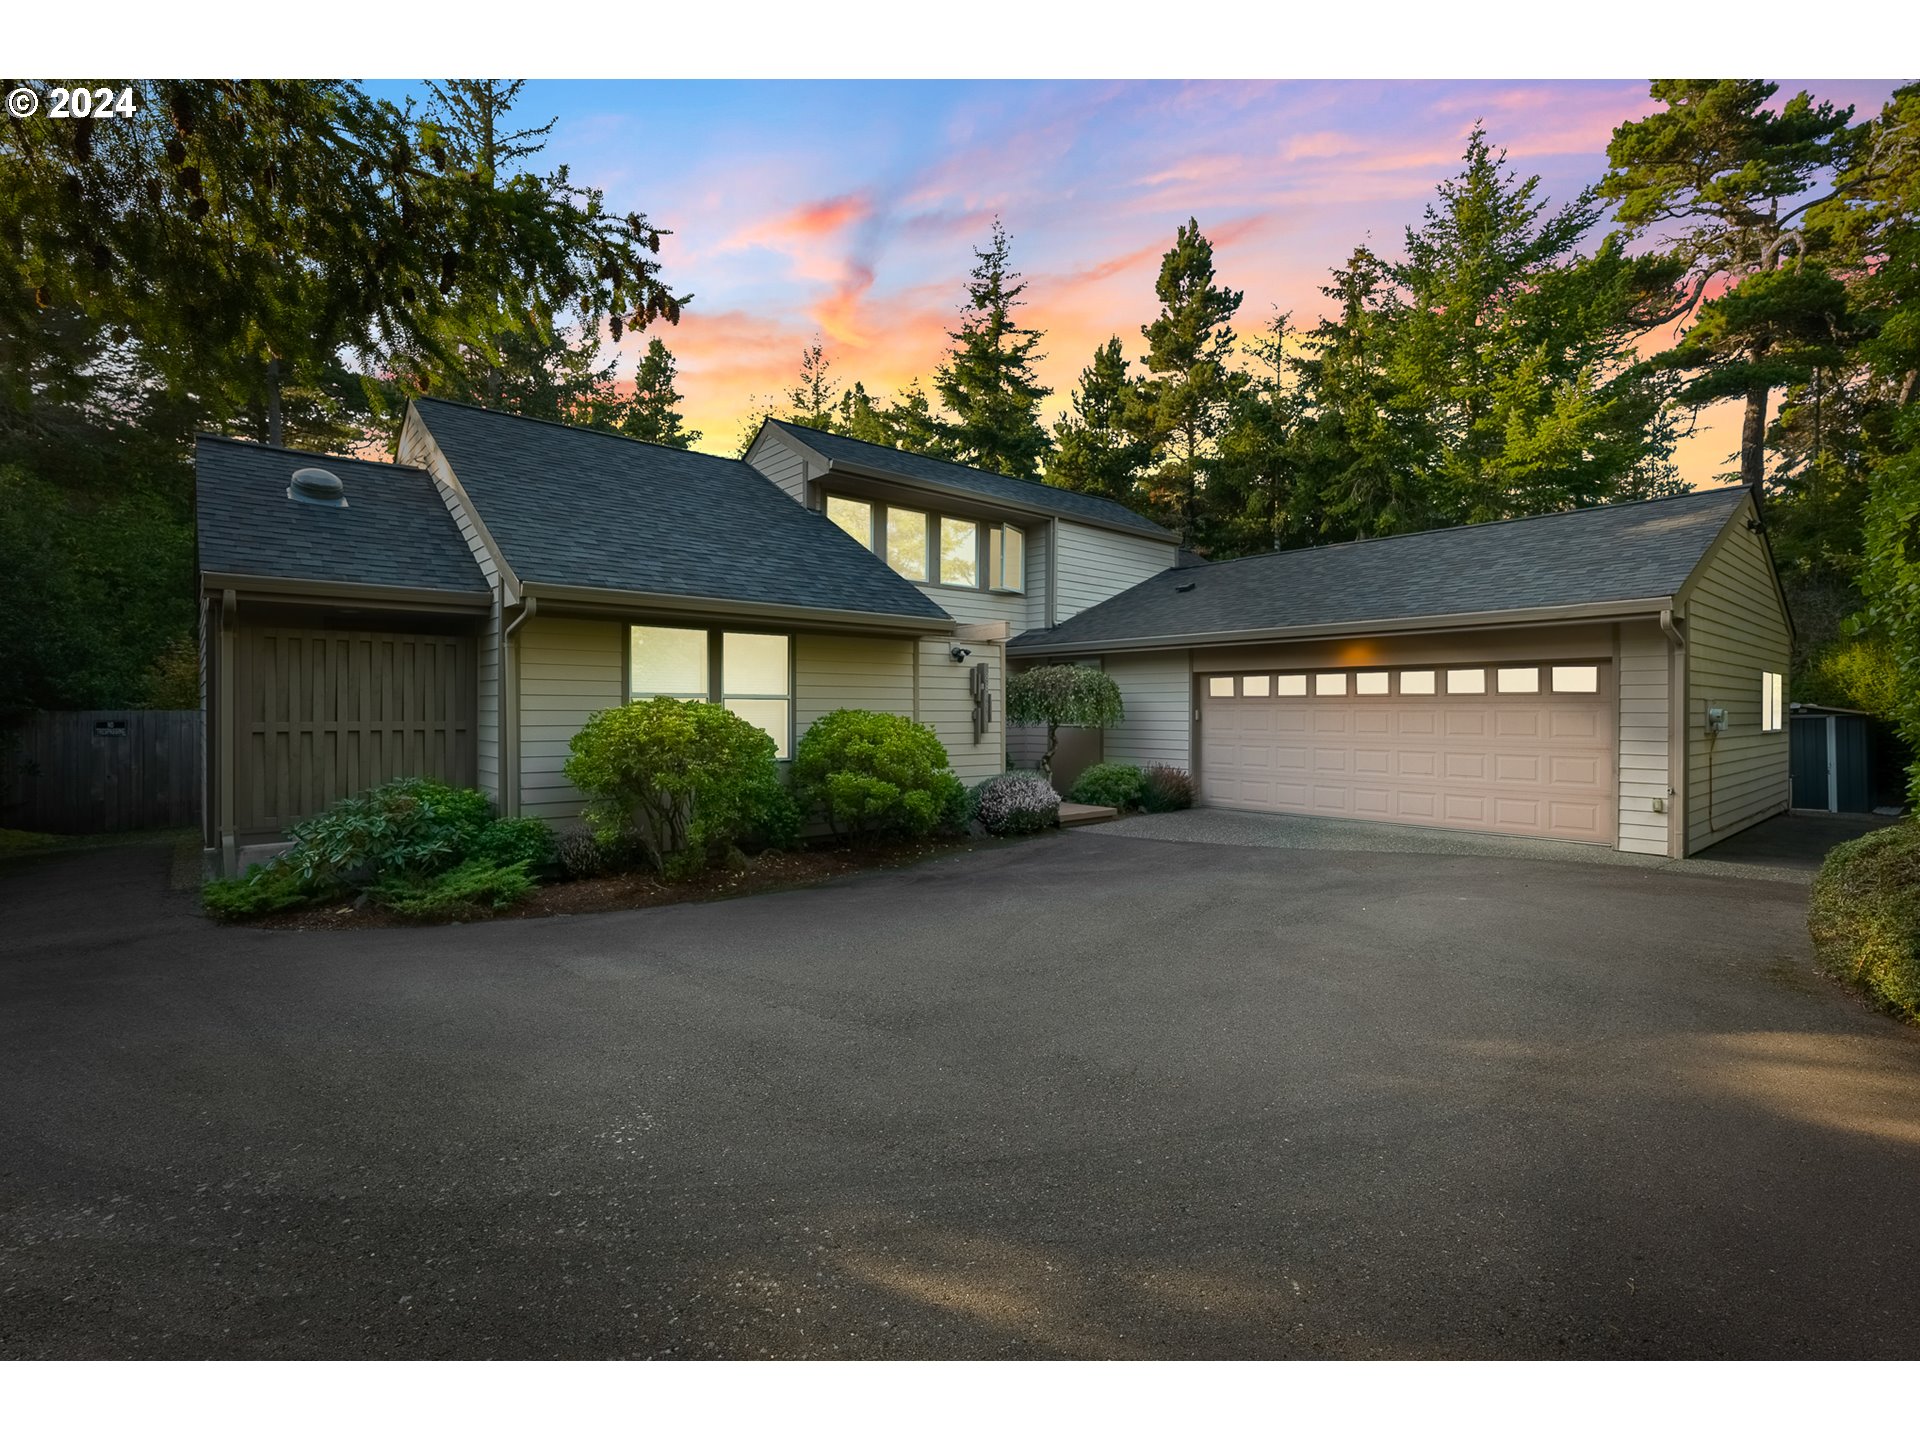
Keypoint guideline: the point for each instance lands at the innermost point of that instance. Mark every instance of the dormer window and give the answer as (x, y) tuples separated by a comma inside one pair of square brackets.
[(959, 552), (936, 549), (907, 542), (1006, 558), (853, 516)]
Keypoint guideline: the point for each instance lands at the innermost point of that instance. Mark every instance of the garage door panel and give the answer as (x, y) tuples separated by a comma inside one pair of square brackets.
[(1526, 764)]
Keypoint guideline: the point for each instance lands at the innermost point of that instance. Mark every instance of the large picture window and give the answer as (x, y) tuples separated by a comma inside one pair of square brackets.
[(908, 540), (748, 672)]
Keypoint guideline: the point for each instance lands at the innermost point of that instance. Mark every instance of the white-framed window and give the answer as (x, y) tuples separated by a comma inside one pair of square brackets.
[(853, 516), (907, 542), (748, 671), (1289, 684), (959, 552), (1773, 700), (1220, 687), (1466, 682), (1576, 679), (1370, 682), (1416, 682), (1006, 558), (1332, 682), (1256, 687), (1519, 680)]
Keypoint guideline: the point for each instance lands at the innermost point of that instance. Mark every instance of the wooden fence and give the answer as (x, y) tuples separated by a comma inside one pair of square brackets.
[(95, 772)]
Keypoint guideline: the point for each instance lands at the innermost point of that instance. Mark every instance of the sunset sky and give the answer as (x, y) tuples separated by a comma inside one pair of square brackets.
[(848, 210)]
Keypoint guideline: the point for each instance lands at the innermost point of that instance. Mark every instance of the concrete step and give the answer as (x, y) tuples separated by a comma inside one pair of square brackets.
[(1072, 814)]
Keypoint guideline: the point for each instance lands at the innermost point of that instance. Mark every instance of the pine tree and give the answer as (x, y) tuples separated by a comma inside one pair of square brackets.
[(1260, 495), (988, 381), (1098, 447), (1728, 181), (1190, 381), (653, 411)]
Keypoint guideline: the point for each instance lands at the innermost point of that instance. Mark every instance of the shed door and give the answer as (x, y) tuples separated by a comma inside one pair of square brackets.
[(1513, 749), (324, 713)]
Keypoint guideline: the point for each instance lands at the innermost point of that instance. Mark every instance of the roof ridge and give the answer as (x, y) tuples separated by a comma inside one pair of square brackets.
[(199, 435), (962, 465), (573, 429), (1470, 525)]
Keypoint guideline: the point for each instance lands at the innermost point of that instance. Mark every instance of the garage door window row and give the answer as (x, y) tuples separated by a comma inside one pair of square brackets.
[(1450, 680)]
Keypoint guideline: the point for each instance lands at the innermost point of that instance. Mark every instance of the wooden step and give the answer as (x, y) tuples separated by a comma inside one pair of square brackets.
[(1072, 814)]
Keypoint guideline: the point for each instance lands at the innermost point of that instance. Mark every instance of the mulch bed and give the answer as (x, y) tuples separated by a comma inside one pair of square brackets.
[(637, 890)]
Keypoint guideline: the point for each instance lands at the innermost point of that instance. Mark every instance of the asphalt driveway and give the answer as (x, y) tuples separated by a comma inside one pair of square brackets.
[(1089, 1096)]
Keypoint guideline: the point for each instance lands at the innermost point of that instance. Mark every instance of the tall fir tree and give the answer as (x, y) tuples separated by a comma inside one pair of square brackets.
[(652, 411), (1725, 179), (987, 382), (1099, 446), (1190, 380)]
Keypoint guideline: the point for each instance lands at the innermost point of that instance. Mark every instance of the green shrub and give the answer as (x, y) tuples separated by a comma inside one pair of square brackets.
[(1109, 783), (1056, 695), (873, 774), (1018, 803), (685, 781), (1865, 915), (524, 839), (472, 887), (263, 890), (1163, 788), (404, 828)]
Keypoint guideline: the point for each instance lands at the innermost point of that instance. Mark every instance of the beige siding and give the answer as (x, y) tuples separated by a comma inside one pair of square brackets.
[(1035, 617), (774, 458), (973, 607), (1157, 690), (568, 670), (1645, 728), (946, 704), (1736, 628), (853, 672), (487, 721), (1096, 565)]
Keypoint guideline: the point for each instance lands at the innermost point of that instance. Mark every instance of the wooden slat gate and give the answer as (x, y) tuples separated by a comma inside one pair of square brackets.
[(98, 772), (324, 713)]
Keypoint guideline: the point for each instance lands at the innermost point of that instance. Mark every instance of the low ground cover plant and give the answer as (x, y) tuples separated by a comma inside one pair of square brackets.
[(684, 783), (1109, 783), (872, 775), (1164, 788), (1865, 916), (1017, 803), (418, 848)]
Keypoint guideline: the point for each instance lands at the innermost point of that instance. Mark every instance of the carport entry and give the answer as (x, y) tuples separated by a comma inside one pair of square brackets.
[(1512, 748), (323, 713)]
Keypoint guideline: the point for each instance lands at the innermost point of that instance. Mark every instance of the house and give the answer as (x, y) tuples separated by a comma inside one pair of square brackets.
[(1609, 675)]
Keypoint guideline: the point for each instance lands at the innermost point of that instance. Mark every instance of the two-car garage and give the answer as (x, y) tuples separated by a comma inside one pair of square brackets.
[(1512, 748)]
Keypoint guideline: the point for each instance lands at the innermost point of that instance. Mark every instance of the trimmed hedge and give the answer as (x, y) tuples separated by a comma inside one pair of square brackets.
[(1109, 783), (1865, 916), (871, 774)]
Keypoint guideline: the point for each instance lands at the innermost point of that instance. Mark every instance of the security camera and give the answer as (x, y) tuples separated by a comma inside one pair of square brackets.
[(960, 654)]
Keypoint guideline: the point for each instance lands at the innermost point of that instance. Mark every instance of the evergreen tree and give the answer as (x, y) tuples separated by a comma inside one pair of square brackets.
[(653, 412), (1098, 447), (1727, 181), (987, 381), (1190, 380), (1262, 496)]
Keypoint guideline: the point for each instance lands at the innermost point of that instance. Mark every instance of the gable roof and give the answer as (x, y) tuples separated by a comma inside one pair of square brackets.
[(1644, 550), (575, 507), (394, 531), (843, 452)]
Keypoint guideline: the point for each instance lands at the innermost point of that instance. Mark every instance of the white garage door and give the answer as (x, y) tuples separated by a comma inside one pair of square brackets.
[(1514, 749)]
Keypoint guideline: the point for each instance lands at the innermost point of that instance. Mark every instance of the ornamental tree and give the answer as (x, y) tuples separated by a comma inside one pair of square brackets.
[(1056, 695)]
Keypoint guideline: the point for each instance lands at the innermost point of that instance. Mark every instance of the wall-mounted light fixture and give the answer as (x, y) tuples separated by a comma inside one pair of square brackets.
[(960, 654)]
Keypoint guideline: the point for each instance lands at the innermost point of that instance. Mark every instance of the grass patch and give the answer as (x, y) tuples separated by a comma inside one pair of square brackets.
[(17, 843), (1865, 916)]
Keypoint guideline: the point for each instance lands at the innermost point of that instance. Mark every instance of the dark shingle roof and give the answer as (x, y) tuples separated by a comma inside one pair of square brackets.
[(1035, 495), (1613, 552), (395, 529), (569, 506)]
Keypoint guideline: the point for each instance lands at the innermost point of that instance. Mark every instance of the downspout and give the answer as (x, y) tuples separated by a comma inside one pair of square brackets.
[(510, 706), (1677, 722)]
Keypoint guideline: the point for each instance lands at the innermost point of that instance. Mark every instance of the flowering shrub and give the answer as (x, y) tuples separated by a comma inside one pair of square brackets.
[(1015, 804), (1163, 787)]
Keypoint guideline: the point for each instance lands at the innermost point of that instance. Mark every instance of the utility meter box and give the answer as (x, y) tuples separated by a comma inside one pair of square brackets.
[(1716, 718)]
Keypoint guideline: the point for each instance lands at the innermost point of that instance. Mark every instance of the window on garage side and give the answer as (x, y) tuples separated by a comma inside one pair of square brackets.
[(1772, 700), (1370, 682), (1330, 683), (1290, 685), (1466, 682), (1576, 679), (1416, 682), (1519, 679), (1256, 686), (1220, 686)]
